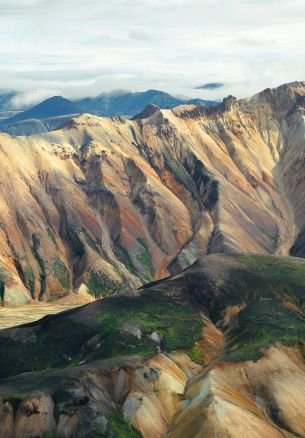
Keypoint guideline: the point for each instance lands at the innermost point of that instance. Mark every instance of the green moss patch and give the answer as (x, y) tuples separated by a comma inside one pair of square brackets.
[(196, 355), (29, 277), (120, 428), (51, 236), (272, 237), (180, 173), (76, 244), (38, 258), (175, 321), (61, 273), (117, 427), (144, 257), (261, 325), (3, 278), (100, 285), (263, 284)]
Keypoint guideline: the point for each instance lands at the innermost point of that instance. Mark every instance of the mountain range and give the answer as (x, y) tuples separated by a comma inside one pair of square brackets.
[(54, 111), (188, 223), (106, 202)]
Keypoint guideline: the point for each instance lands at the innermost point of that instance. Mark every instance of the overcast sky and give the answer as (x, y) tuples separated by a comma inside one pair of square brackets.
[(84, 47)]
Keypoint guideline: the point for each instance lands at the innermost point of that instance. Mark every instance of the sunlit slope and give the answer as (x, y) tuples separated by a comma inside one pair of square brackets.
[(104, 203)]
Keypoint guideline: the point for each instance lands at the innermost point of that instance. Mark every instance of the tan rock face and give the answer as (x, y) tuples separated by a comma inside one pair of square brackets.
[(246, 399), (106, 202), (34, 415)]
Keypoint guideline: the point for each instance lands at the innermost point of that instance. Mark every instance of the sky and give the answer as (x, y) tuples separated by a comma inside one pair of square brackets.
[(82, 48)]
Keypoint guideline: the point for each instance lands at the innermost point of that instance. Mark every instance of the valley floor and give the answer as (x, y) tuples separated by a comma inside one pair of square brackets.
[(13, 316)]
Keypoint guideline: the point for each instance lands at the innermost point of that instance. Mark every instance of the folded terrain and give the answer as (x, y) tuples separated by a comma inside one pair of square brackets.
[(217, 350), (105, 203)]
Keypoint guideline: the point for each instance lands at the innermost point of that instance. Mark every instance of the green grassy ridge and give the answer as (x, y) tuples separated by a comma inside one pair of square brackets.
[(261, 325), (61, 341), (252, 277), (172, 309), (263, 284), (175, 321), (49, 346)]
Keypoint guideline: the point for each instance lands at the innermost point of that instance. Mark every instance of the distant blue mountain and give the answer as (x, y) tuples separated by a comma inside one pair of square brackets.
[(51, 113), (52, 107), (130, 104)]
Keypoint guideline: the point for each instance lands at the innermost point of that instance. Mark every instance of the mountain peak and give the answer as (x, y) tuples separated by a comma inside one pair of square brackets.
[(148, 111), (52, 107), (282, 98)]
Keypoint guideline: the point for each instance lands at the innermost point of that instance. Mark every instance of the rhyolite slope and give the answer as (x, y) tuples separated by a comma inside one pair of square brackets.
[(104, 203)]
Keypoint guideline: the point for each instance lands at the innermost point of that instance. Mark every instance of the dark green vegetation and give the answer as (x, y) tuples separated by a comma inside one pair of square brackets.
[(38, 258), (144, 257), (272, 237), (180, 173), (101, 285), (3, 275), (268, 290), (61, 273), (118, 428), (272, 289), (196, 354), (172, 318), (51, 236), (29, 277), (98, 331), (76, 244), (127, 260)]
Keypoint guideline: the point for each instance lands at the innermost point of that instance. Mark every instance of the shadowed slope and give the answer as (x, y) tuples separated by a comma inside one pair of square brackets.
[(218, 349)]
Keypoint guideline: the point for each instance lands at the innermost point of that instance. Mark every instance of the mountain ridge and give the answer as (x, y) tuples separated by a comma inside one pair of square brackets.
[(41, 117), (218, 347), (106, 202)]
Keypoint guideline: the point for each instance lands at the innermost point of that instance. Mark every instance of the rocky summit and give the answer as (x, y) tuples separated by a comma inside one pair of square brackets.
[(182, 232)]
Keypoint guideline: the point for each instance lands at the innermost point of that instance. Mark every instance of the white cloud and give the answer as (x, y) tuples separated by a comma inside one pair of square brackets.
[(26, 99), (77, 47)]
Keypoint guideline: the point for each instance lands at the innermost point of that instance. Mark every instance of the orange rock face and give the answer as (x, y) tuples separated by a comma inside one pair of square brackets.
[(103, 203)]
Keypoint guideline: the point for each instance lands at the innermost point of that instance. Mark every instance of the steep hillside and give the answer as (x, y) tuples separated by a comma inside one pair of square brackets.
[(105, 203), (215, 351)]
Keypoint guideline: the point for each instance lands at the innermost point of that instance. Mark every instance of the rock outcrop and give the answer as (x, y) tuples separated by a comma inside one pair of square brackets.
[(102, 204)]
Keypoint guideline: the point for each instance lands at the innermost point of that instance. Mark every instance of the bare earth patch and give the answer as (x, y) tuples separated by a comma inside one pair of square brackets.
[(13, 316)]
